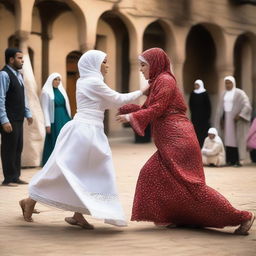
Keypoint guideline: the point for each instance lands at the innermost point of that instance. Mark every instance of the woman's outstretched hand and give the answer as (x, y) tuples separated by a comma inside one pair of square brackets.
[(145, 90), (122, 119)]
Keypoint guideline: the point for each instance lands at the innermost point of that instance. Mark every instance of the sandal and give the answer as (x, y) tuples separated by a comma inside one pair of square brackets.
[(72, 221), (245, 227)]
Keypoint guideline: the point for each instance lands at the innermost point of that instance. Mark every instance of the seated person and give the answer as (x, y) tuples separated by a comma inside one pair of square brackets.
[(213, 152)]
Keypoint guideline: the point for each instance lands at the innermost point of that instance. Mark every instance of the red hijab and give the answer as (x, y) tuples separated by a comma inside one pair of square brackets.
[(158, 62)]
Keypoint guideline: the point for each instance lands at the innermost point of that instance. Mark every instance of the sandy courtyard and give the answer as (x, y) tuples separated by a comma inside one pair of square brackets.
[(50, 235)]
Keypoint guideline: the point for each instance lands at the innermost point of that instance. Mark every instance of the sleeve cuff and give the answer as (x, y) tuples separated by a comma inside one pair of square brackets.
[(127, 116), (5, 120), (28, 114)]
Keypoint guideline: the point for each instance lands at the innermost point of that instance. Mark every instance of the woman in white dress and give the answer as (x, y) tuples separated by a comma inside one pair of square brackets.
[(79, 175), (213, 152)]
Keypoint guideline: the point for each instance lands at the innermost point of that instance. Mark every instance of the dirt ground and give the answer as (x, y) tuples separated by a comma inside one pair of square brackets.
[(50, 235)]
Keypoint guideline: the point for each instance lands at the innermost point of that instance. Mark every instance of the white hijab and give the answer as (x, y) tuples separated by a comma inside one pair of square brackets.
[(201, 88), (215, 132), (89, 65), (229, 95), (91, 78), (48, 89)]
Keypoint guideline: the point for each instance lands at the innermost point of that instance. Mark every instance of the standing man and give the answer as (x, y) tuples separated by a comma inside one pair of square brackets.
[(234, 117), (13, 109)]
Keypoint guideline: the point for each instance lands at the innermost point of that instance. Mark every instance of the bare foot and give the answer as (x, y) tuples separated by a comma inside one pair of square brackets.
[(245, 227), (27, 209), (36, 211)]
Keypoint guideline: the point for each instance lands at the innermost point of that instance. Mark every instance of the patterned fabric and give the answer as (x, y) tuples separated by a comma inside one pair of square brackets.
[(171, 186)]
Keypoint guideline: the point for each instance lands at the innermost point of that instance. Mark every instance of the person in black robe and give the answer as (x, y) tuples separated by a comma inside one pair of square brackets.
[(200, 109)]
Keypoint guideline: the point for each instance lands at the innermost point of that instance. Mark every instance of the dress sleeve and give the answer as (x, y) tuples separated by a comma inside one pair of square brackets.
[(129, 108), (4, 87), (160, 99), (113, 99), (246, 110), (215, 150)]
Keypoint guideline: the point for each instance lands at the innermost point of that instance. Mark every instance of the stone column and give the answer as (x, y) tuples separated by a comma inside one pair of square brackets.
[(136, 48), (179, 56), (45, 52), (225, 60), (224, 67), (87, 39)]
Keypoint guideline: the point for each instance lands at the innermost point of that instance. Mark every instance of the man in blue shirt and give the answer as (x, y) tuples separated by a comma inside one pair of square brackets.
[(13, 109)]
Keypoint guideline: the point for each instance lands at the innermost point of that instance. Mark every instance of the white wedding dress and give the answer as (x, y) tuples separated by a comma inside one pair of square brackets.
[(79, 175)]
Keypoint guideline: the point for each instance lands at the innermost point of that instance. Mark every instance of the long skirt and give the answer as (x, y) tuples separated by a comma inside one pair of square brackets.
[(171, 186), (79, 175)]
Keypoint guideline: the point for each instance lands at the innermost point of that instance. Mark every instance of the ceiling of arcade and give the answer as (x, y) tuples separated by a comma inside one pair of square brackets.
[(9, 5), (47, 12)]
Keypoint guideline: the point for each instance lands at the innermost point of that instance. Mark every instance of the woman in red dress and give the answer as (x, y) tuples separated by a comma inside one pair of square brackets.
[(171, 187)]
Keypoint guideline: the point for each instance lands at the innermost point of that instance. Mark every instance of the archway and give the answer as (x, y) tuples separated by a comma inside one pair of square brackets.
[(58, 19), (31, 56), (200, 60), (154, 36), (244, 64), (13, 41), (113, 38), (72, 75), (122, 47), (7, 24)]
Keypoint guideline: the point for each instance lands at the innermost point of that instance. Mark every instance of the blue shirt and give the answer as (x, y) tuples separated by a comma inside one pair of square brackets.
[(4, 87)]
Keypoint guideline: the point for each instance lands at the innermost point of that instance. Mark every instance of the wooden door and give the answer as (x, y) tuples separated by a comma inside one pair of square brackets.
[(72, 76)]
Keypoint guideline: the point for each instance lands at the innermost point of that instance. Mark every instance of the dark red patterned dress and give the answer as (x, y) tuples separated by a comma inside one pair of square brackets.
[(171, 186)]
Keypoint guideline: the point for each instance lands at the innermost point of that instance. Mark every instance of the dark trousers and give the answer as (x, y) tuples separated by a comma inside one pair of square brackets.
[(11, 149), (253, 155), (232, 155)]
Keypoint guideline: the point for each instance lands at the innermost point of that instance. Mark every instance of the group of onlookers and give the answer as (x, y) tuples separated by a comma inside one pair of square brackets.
[(233, 123)]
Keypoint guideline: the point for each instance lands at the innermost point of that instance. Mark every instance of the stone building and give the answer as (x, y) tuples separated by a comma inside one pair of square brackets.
[(206, 39)]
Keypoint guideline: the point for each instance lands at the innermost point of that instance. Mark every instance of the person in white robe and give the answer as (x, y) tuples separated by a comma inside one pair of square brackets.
[(56, 110), (233, 121), (213, 152), (79, 175)]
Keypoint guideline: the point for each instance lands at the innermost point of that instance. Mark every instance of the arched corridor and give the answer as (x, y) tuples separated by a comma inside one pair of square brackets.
[(54, 34), (244, 64)]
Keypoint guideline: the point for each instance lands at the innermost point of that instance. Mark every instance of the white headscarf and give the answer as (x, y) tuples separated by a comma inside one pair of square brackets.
[(201, 88), (91, 78), (89, 64), (229, 95), (48, 88), (215, 132), (142, 59)]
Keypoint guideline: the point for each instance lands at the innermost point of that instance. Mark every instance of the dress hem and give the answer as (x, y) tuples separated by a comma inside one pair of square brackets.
[(62, 206)]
